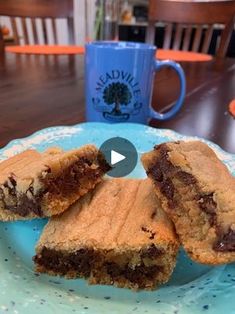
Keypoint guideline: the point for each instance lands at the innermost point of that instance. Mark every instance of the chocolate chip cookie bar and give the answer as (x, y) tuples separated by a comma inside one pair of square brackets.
[(117, 234), (34, 184), (198, 193)]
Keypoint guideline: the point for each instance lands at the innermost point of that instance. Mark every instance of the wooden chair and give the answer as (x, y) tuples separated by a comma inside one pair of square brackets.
[(43, 9), (189, 25), (1, 42)]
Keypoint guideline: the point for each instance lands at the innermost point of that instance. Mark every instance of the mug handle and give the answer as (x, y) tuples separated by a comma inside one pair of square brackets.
[(169, 114)]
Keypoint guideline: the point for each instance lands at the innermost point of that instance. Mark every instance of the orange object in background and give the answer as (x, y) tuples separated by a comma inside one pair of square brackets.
[(5, 30), (46, 49), (231, 108), (162, 54), (178, 55)]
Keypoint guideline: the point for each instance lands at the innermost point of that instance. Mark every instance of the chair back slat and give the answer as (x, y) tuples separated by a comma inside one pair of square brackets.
[(187, 38), (178, 37), (197, 38), (44, 31), (168, 36), (25, 30), (225, 38), (34, 31), (54, 32), (193, 23), (15, 30), (1, 42), (43, 9), (70, 24), (207, 40)]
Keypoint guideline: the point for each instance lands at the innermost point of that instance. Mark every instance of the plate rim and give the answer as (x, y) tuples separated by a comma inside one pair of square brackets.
[(117, 125)]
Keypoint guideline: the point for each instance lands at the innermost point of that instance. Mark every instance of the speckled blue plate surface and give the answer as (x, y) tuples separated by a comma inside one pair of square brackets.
[(193, 288)]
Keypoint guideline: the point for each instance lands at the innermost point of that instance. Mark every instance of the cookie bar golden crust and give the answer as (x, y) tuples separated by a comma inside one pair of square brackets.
[(198, 193), (117, 234), (34, 184)]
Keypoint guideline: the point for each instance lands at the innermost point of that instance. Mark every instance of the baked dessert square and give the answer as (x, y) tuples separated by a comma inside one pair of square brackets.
[(34, 184), (198, 193), (117, 234)]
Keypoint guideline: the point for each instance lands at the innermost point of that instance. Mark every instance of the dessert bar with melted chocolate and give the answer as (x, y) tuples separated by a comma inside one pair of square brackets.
[(198, 193), (34, 184), (117, 234)]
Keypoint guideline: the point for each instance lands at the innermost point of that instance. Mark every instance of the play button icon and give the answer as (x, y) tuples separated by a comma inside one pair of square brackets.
[(116, 157), (121, 155)]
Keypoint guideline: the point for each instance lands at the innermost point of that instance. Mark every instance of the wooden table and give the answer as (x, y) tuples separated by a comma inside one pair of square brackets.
[(38, 91)]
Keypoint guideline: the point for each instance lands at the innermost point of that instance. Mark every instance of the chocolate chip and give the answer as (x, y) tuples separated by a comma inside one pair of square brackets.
[(79, 261), (208, 205), (162, 166), (226, 242), (160, 171), (25, 206), (186, 177), (151, 252), (113, 269), (83, 260), (85, 160), (144, 229), (30, 190), (1, 194), (104, 166), (162, 148), (140, 273), (12, 180), (11, 189), (30, 205), (5, 184), (154, 213), (48, 170), (156, 173), (167, 188), (19, 204), (137, 275), (152, 234), (70, 178)]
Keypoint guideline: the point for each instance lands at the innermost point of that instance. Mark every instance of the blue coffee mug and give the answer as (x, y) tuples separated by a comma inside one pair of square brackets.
[(119, 82)]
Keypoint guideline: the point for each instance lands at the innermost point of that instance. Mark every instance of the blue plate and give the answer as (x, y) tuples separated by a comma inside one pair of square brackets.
[(193, 288)]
